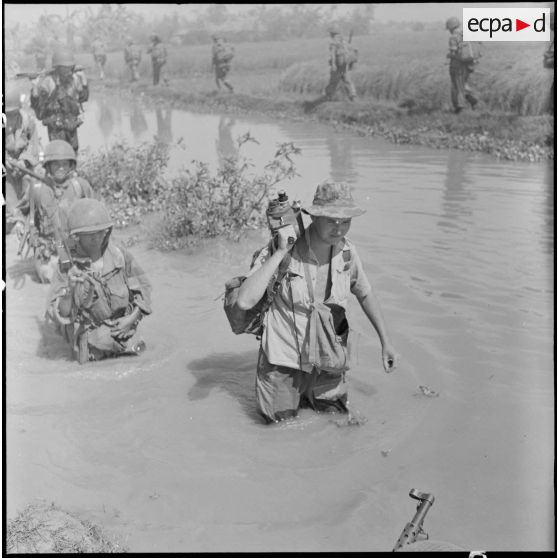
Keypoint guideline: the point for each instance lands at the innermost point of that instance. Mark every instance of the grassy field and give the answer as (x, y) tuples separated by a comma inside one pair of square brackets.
[(393, 67), (402, 82)]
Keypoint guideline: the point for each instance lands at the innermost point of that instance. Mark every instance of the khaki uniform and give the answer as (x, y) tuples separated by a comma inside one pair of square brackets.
[(48, 216), (132, 57), (58, 106), (338, 68), (221, 57), (158, 60), (289, 373), (21, 144), (121, 284), (460, 72)]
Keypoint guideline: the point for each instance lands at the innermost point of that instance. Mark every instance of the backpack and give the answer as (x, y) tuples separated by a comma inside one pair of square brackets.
[(345, 54), (469, 52), (251, 321), (224, 53)]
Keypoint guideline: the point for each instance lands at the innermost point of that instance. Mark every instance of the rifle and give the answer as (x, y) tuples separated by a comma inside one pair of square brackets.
[(64, 258), (413, 531), (42, 73)]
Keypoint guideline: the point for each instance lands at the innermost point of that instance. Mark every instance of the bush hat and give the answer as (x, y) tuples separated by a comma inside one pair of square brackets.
[(333, 199)]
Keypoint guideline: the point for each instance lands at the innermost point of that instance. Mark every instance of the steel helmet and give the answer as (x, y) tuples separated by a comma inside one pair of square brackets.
[(12, 99), (334, 29), (452, 23), (59, 150), (63, 57), (88, 215)]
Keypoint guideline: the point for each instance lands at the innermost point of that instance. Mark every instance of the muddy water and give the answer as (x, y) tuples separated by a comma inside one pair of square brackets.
[(167, 451)]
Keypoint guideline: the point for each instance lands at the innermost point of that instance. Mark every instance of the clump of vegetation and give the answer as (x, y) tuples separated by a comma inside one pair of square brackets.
[(198, 205), (43, 528), (129, 179)]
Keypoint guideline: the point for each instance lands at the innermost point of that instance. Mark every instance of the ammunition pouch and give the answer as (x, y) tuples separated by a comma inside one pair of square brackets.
[(91, 300)]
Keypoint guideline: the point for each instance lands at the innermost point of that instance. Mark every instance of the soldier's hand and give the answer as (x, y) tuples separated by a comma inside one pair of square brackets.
[(286, 238), (123, 328), (75, 275)]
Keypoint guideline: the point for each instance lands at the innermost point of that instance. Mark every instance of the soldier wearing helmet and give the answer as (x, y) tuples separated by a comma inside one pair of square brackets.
[(49, 204), (57, 97), (98, 303), (132, 57), (158, 53), (222, 54), (461, 66), (340, 53), (21, 140)]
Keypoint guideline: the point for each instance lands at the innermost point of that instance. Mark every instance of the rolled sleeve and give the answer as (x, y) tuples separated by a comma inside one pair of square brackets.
[(360, 285)]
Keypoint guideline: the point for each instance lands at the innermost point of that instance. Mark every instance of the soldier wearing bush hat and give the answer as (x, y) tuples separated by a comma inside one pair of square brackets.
[(304, 354), (98, 303)]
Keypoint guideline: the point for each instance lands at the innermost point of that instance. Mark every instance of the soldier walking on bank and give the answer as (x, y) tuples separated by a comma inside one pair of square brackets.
[(158, 60), (462, 63), (132, 57), (340, 62), (222, 54), (57, 97)]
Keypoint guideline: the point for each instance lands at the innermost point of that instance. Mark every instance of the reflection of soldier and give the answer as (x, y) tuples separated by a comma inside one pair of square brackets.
[(339, 65), (341, 156), (460, 68), (456, 197), (226, 146), (158, 60), (99, 56), (56, 98), (132, 57), (106, 121), (98, 302), (222, 54), (138, 123), (164, 119), (548, 62)]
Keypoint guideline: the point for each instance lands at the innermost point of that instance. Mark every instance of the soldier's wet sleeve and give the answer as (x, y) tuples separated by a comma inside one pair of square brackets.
[(138, 283)]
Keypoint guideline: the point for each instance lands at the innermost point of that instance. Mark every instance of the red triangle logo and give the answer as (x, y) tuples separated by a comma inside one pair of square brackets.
[(519, 25)]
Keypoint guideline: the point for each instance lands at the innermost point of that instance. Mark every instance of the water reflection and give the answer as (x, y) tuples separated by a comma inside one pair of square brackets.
[(340, 156), (164, 120), (138, 123), (225, 144), (456, 196), (106, 120)]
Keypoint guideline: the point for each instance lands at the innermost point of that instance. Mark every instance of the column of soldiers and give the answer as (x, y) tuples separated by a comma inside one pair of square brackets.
[(98, 293)]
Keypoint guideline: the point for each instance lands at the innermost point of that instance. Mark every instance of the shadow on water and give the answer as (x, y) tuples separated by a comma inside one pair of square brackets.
[(52, 346), (232, 372)]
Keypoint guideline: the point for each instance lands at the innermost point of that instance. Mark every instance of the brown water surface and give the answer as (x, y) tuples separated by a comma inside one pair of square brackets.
[(167, 449)]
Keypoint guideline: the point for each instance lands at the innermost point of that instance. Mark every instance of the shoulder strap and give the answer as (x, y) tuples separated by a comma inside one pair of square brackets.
[(77, 187)]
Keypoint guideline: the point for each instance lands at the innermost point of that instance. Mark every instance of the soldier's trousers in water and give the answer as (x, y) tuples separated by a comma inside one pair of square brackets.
[(461, 90), (335, 78)]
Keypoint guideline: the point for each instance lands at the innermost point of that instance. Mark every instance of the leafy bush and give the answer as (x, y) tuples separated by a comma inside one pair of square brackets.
[(198, 205), (129, 179)]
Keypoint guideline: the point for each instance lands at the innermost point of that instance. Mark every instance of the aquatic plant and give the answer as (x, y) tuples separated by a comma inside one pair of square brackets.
[(128, 178), (201, 205)]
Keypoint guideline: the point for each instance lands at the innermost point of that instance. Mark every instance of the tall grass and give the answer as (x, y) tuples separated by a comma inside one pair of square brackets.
[(394, 65)]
